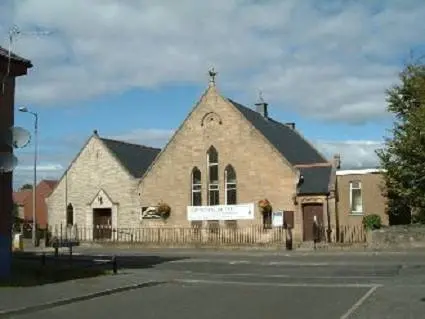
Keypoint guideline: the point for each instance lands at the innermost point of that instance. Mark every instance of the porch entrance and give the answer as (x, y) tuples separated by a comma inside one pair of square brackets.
[(309, 211), (102, 223)]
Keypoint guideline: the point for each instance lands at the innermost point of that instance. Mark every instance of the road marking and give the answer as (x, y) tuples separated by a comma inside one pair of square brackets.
[(359, 302), (220, 282)]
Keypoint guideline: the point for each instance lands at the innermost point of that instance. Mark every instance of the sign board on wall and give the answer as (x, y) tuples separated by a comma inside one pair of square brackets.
[(220, 212), (277, 219)]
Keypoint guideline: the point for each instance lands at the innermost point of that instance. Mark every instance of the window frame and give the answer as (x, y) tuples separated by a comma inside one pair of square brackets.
[(196, 188), (352, 188), (230, 186), (213, 186)]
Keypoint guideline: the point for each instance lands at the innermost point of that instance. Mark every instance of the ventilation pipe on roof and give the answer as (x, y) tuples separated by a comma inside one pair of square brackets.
[(337, 161), (291, 125)]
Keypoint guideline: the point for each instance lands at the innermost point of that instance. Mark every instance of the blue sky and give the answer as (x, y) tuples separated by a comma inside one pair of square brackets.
[(133, 69)]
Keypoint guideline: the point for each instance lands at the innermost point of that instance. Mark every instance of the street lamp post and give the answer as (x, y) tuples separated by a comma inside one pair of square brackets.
[(34, 202)]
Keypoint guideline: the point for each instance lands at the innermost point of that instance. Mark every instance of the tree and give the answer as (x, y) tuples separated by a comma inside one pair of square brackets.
[(26, 186), (403, 156)]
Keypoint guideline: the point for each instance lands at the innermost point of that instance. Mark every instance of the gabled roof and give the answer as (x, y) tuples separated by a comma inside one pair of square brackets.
[(294, 148), (286, 140), (134, 157), (14, 57)]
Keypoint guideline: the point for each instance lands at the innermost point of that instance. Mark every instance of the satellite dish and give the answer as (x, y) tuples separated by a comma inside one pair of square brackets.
[(8, 162), (17, 137)]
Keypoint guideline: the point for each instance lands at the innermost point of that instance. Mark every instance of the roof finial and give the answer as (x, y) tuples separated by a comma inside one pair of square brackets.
[(212, 74)]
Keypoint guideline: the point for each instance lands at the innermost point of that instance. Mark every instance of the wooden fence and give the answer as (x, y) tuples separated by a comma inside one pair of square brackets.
[(193, 236)]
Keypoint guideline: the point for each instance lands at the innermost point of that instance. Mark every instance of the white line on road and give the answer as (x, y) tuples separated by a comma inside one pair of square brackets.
[(236, 283), (359, 302)]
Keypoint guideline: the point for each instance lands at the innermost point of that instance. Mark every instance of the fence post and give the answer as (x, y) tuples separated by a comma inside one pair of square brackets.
[(114, 265)]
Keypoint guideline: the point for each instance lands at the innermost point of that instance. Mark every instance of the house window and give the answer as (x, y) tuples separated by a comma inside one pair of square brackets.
[(196, 187), (356, 203), (230, 185), (213, 189), (69, 215)]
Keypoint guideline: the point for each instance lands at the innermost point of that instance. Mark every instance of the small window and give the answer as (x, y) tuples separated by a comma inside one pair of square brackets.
[(69, 215), (230, 185), (356, 202), (213, 186), (196, 187)]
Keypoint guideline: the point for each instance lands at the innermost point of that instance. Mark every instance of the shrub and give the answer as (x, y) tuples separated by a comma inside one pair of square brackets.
[(372, 221), (164, 210), (265, 205)]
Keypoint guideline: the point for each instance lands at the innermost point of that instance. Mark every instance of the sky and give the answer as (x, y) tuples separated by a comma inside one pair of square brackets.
[(133, 69)]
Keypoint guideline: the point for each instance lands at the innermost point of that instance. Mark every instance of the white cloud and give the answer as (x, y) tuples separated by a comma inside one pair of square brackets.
[(329, 59), (354, 154)]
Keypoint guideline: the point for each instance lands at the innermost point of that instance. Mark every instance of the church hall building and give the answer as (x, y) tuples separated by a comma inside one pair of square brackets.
[(227, 166)]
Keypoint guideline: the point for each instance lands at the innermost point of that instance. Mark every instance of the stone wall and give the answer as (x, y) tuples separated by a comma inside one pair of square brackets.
[(398, 237)]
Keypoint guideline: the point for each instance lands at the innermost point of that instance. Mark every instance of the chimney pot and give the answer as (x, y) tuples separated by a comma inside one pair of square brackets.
[(337, 161), (291, 125)]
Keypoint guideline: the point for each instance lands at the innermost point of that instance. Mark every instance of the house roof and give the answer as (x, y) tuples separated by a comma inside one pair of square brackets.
[(134, 157), (50, 182), (294, 148), (14, 57), (286, 140), (316, 180), (20, 197)]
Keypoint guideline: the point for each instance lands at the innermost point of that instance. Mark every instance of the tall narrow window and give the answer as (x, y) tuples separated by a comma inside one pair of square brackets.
[(69, 215), (196, 187), (213, 189), (356, 202), (230, 185)]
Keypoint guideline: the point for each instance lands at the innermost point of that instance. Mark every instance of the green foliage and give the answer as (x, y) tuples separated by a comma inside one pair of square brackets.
[(403, 157), (25, 187), (372, 221)]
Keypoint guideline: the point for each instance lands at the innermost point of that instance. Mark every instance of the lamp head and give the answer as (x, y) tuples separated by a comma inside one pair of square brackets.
[(23, 109)]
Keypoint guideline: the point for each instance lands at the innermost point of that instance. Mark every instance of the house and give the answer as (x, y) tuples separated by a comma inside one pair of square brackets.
[(11, 67), (100, 186), (359, 194), (20, 198), (225, 158)]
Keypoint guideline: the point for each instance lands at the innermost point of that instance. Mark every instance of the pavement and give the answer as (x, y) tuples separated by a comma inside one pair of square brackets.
[(190, 283)]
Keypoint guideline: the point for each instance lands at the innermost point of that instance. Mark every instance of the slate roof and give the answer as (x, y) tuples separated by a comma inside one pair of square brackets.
[(14, 57), (316, 180), (135, 158), (293, 147)]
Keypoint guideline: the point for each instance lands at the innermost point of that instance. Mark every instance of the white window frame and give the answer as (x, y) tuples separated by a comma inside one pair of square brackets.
[(229, 186), (356, 212), (212, 186), (196, 187)]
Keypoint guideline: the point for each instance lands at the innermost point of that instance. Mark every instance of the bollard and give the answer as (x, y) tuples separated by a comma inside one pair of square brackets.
[(114, 265), (43, 259)]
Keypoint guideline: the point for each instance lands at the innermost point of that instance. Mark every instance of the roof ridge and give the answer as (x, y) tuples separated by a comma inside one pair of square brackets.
[(129, 143)]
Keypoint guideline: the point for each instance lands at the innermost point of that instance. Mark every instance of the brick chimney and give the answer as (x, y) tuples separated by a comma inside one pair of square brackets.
[(337, 161), (261, 106)]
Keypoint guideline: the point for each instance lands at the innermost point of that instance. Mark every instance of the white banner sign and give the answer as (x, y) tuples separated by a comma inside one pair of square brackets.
[(220, 212)]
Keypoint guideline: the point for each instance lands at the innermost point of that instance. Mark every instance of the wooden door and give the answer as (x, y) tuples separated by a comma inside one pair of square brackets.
[(102, 223), (309, 211)]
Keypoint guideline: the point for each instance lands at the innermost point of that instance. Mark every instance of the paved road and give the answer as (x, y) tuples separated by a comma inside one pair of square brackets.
[(261, 285)]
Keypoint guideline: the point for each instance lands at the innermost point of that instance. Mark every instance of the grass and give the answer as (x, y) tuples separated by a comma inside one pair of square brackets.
[(30, 272)]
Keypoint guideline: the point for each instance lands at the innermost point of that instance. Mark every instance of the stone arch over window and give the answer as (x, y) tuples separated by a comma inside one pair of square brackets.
[(230, 185), (69, 215), (213, 185), (196, 178)]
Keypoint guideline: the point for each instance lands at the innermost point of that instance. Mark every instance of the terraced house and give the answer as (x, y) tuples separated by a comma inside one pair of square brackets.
[(227, 166)]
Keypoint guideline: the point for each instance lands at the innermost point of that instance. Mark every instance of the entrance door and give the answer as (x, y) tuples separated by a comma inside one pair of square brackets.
[(102, 223), (309, 211)]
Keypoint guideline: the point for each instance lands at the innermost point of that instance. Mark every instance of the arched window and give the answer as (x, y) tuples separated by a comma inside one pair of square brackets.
[(230, 185), (196, 187), (213, 188), (69, 215)]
